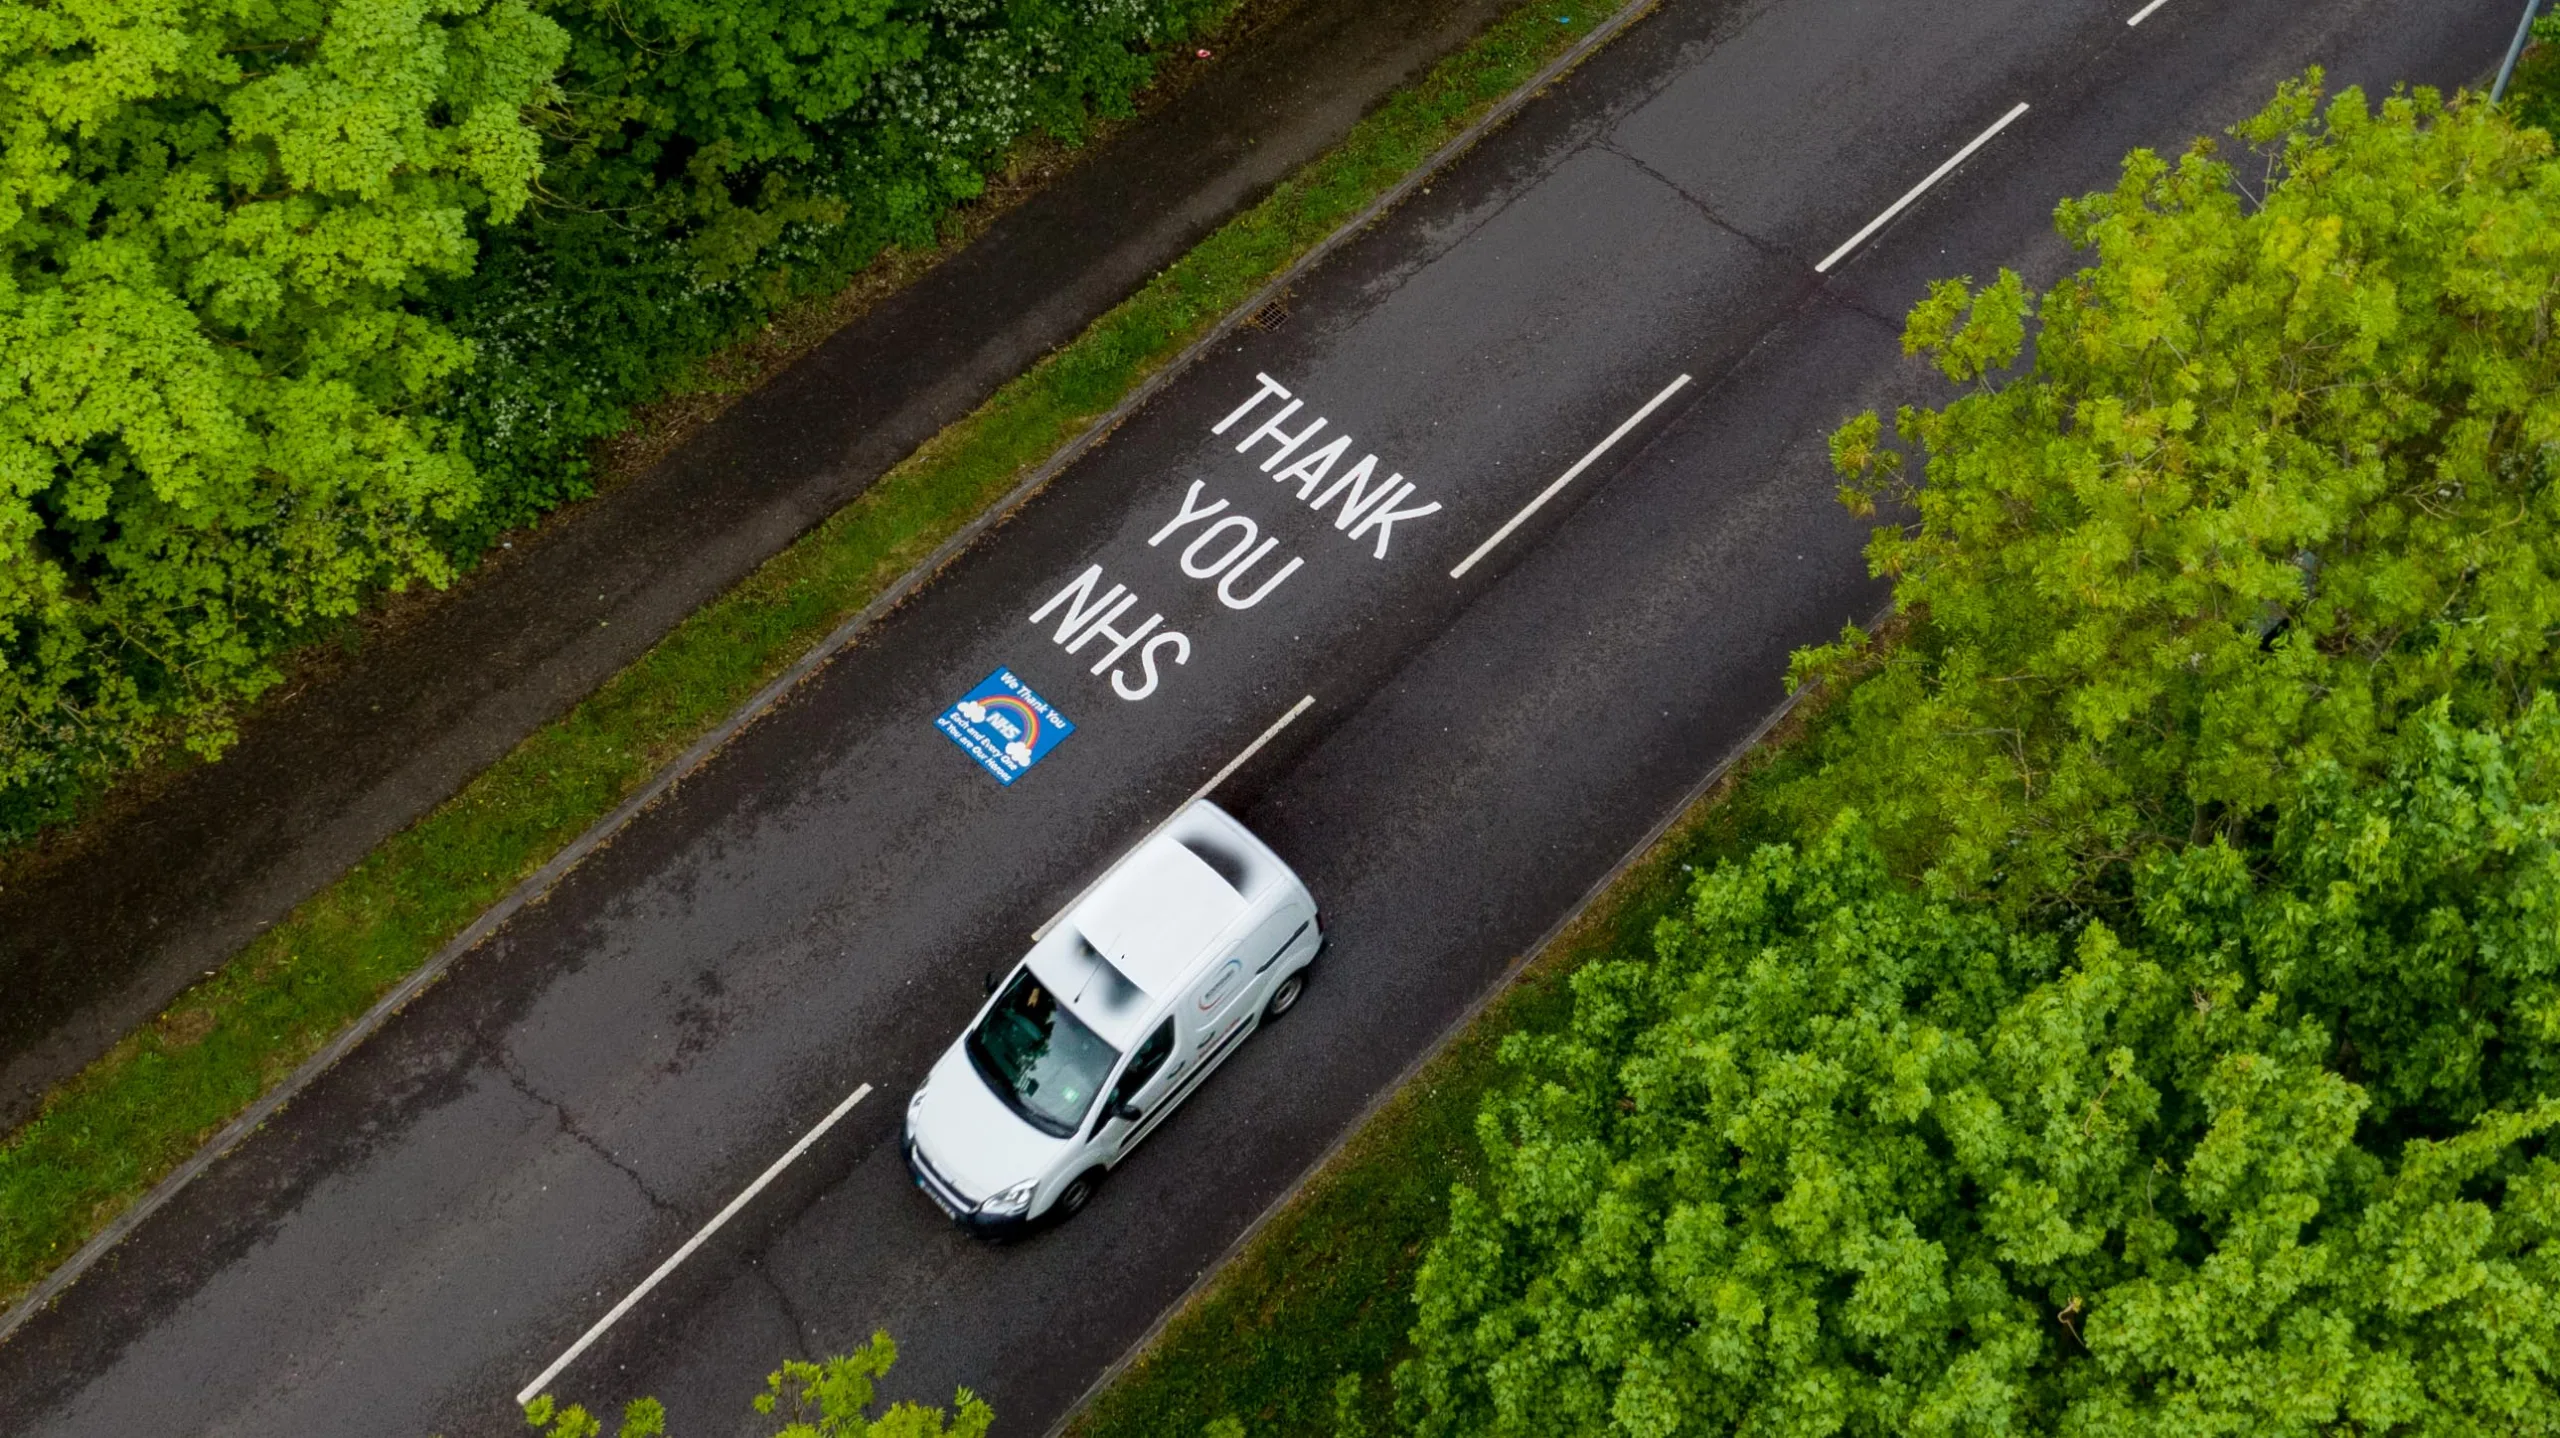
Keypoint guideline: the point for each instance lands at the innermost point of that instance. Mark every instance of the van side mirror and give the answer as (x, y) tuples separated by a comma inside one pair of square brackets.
[(1128, 1113), (991, 983)]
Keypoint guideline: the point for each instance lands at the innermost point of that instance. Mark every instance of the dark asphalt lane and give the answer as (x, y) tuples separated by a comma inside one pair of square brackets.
[(449, 1208), (95, 941)]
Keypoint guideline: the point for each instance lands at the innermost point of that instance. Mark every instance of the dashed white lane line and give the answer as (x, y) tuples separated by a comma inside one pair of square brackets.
[(1920, 189), (1265, 737), (1567, 477), (543, 1379), (2145, 12)]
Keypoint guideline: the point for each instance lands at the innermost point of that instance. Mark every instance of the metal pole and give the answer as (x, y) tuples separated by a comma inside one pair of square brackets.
[(2524, 31)]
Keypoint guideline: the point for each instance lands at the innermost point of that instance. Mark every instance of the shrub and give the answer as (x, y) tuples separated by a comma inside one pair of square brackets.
[(715, 158), (2533, 95), (1846, 1159), (309, 299)]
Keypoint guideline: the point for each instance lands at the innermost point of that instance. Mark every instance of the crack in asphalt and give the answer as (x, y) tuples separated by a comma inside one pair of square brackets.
[(1770, 248), (569, 1125), (1852, 305), (800, 1332)]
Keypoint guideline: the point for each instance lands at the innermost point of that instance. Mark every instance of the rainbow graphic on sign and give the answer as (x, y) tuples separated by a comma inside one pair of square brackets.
[(1005, 726)]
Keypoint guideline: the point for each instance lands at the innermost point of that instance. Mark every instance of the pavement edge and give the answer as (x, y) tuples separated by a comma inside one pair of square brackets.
[(702, 750)]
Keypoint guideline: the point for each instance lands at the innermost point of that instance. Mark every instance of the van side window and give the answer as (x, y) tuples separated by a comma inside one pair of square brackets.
[(1142, 1066)]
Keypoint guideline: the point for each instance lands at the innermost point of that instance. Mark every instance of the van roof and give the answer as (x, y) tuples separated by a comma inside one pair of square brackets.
[(1158, 912)]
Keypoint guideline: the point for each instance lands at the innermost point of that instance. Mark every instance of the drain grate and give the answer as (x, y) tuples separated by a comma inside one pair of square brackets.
[(1271, 316)]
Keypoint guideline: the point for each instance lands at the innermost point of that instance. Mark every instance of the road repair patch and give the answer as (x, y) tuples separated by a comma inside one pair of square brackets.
[(1004, 725)]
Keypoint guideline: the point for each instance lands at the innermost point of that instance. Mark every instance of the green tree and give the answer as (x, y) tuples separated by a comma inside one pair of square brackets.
[(217, 217), (2533, 96), (829, 1399), (2207, 1080), (309, 299), (711, 159), (2278, 473), (1849, 1159)]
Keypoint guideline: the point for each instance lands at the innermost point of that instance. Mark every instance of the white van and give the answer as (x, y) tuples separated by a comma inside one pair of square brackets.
[(1145, 985)]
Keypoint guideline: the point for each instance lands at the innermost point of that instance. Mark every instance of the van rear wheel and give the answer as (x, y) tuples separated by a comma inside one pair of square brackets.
[(1285, 997)]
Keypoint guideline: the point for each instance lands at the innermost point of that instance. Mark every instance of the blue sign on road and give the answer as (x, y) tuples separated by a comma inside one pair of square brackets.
[(1004, 725)]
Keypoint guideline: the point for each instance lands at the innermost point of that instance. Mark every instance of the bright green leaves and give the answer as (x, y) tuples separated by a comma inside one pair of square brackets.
[(1969, 334), (209, 422), (2278, 473), (831, 1398), (1859, 1161), (2226, 679), (308, 299), (641, 1418)]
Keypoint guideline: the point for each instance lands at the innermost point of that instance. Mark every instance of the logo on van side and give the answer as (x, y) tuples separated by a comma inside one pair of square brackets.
[(1223, 985)]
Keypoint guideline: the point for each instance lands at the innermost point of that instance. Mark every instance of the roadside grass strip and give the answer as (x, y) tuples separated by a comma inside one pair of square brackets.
[(101, 1140), (1322, 1293)]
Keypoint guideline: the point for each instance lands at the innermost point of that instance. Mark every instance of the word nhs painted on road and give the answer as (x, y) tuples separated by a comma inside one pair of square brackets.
[(1369, 504), (1088, 618)]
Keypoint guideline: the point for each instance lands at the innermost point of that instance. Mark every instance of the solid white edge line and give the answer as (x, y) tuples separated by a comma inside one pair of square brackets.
[(680, 1255), (1920, 189), (1567, 477), (1265, 737), (2145, 12)]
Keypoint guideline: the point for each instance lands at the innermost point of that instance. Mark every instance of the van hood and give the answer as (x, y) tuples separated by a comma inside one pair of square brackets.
[(969, 1135)]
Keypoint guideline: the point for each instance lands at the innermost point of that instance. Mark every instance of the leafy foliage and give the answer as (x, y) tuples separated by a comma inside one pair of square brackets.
[(1847, 1159), (713, 158), (2533, 95), (2279, 474), (2173, 1044), (212, 422), (830, 1399), (309, 299), (641, 1418)]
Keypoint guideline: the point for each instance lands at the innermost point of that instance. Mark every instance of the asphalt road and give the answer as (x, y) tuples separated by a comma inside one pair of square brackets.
[(106, 923), (452, 1206)]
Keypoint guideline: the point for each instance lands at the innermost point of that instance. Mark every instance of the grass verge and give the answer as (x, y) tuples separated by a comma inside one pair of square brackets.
[(1324, 1290), (103, 1138)]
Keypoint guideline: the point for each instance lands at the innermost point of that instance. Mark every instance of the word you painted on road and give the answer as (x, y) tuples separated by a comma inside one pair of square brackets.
[(1220, 544), (1005, 726)]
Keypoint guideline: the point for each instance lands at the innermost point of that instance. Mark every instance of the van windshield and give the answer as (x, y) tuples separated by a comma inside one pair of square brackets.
[(1039, 1058)]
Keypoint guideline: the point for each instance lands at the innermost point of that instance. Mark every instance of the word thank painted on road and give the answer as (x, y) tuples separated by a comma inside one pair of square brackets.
[(1216, 543), (1368, 504), (1004, 725)]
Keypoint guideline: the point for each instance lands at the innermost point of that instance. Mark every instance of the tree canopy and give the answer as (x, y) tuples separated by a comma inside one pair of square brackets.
[(2277, 474), (831, 1398), (216, 216), (2155, 1025), (1849, 1159), (307, 300)]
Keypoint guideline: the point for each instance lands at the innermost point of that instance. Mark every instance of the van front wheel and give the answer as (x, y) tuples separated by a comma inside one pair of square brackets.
[(1285, 997), (1078, 1192)]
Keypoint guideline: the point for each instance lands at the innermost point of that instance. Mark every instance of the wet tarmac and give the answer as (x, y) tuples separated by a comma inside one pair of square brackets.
[(98, 939), (448, 1209)]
